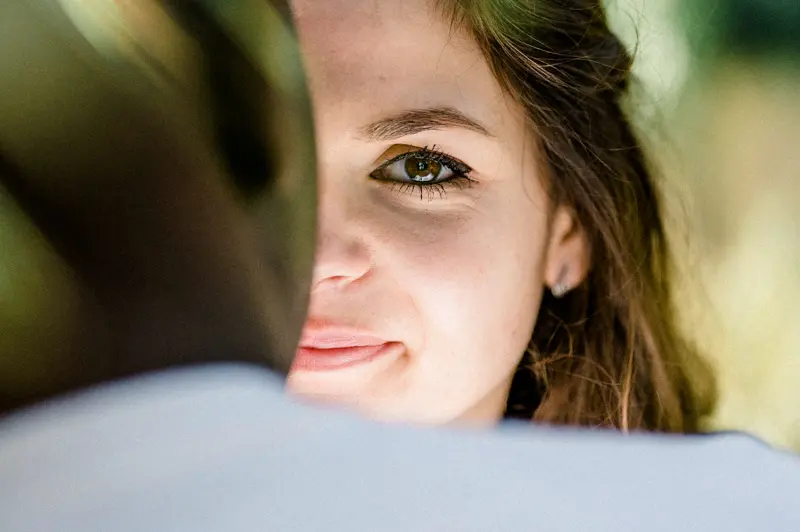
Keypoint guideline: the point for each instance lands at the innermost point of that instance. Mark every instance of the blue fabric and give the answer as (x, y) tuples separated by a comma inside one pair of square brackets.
[(222, 449)]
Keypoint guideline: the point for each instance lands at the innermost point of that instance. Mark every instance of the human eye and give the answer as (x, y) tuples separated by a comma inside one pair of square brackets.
[(424, 171)]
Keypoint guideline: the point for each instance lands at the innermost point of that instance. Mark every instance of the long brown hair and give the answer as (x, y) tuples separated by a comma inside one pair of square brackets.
[(608, 353)]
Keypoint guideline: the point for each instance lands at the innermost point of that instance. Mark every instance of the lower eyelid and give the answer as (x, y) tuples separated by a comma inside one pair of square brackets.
[(431, 192)]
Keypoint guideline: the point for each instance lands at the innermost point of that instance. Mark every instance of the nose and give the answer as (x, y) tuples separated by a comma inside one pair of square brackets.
[(342, 256)]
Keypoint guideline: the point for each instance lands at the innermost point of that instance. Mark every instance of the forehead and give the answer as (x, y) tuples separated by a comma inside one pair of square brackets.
[(376, 57)]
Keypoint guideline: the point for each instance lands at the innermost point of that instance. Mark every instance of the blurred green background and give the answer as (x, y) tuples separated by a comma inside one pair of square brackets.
[(721, 107)]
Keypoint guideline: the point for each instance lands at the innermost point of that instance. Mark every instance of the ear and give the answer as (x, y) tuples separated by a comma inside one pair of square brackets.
[(568, 254)]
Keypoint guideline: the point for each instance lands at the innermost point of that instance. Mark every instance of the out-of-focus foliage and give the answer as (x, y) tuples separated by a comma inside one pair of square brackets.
[(721, 109), (751, 28)]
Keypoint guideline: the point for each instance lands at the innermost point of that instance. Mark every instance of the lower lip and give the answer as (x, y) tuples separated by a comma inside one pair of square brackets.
[(312, 359)]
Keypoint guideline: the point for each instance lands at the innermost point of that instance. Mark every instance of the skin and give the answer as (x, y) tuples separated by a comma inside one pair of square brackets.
[(456, 276)]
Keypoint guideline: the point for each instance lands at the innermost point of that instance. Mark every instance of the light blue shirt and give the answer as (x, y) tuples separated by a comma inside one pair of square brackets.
[(222, 449)]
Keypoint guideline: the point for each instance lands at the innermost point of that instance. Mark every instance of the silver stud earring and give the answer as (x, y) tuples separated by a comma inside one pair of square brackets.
[(560, 290)]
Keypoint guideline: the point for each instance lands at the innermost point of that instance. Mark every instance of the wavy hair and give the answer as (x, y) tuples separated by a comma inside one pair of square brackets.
[(609, 353)]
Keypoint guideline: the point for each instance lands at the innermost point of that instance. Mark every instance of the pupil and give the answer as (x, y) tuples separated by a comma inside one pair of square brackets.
[(422, 169)]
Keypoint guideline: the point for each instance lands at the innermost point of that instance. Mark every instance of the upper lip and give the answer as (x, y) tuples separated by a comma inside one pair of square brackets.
[(337, 337)]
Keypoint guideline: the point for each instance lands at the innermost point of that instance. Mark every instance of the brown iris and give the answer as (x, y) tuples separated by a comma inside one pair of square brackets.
[(420, 169)]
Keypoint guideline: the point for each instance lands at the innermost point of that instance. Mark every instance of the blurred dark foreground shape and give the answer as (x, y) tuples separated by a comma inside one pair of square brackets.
[(156, 190)]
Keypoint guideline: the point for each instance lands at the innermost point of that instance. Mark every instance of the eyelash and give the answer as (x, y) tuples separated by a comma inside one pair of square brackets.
[(460, 178)]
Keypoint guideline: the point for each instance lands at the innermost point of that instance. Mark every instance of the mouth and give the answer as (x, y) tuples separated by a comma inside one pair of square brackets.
[(332, 349)]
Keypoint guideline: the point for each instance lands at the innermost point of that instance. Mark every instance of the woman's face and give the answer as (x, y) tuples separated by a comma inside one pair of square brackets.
[(430, 269)]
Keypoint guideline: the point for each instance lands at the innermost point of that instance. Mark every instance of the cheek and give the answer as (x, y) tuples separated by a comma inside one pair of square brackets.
[(475, 278)]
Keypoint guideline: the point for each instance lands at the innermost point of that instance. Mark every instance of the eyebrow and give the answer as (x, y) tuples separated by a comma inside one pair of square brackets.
[(418, 120)]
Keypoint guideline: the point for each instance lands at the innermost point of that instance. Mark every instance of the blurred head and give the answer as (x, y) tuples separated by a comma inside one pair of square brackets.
[(156, 192), (473, 164)]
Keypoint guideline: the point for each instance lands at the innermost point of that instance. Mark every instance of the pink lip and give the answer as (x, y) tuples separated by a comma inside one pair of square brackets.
[(331, 348)]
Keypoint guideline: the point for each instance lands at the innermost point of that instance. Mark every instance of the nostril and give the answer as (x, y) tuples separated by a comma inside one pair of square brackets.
[(340, 261)]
